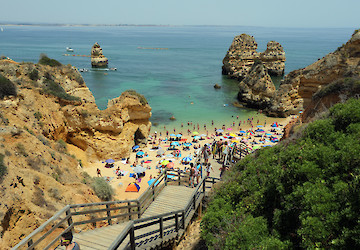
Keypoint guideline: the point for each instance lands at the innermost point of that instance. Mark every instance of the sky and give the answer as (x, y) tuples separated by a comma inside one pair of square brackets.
[(267, 13)]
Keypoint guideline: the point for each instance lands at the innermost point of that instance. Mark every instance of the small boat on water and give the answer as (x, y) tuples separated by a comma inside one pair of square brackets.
[(69, 49)]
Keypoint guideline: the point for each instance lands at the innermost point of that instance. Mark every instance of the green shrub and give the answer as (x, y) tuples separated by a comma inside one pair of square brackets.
[(7, 88), (3, 168), (54, 192), (43, 139), (38, 198), (61, 146), (102, 189), (21, 149), (301, 194), (34, 75), (38, 115), (141, 97), (4, 120), (55, 89), (45, 60)]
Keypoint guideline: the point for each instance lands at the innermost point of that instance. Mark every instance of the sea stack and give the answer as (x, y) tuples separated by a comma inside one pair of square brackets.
[(242, 54), (98, 60)]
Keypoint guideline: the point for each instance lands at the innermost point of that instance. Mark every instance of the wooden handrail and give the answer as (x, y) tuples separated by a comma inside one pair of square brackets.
[(141, 204)]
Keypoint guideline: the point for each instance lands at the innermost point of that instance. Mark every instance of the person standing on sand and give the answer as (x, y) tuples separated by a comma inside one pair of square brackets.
[(66, 240), (98, 172), (192, 175)]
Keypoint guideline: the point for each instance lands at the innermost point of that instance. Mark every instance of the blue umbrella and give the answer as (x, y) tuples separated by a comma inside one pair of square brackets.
[(197, 137), (259, 130), (187, 158), (259, 126), (242, 131), (175, 143), (268, 134), (109, 161), (135, 147), (187, 144), (140, 153), (178, 135), (172, 135)]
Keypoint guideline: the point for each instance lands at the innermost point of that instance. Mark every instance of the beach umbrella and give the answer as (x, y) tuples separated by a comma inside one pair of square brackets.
[(175, 143), (109, 161), (160, 151), (268, 134), (170, 165), (259, 126), (164, 163), (275, 124), (219, 130), (178, 135), (232, 135), (187, 144), (139, 169), (242, 132), (172, 135), (187, 158), (135, 147), (256, 147), (203, 135), (132, 187), (235, 141), (221, 137), (140, 153), (197, 137), (229, 128), (195, 133)]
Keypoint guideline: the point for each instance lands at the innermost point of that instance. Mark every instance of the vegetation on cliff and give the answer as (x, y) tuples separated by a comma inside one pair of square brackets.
[(7, 88), (45, 60), (300, 194), (141, 97)]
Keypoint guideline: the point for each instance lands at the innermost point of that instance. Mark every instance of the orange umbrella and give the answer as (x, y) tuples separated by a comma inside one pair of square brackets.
[(132, 187), (170, 165)]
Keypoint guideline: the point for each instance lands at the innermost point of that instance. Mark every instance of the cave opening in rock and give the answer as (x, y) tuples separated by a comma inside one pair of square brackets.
[(139, 137)]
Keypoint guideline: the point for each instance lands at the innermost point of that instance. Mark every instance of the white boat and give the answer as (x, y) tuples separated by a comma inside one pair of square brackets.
[(68, 49), (1, 29)]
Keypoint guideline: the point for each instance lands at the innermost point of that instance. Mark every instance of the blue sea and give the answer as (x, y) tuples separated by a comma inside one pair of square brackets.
[(177, 81)]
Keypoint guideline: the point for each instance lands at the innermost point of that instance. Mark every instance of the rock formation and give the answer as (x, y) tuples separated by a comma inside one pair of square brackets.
[(296, 91), (53, 105), (274, 58), (257, 88), (98, 60), (242, 55)]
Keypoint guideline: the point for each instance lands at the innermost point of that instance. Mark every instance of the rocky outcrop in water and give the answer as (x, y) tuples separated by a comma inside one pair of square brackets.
[(257, 88), (274, 58), (298, 87), (242, 54), (98, 60)]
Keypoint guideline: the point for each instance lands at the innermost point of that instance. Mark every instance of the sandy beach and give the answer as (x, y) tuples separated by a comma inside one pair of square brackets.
[(151, 161)]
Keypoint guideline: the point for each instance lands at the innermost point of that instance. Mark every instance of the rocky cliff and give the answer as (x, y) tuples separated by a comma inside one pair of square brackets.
[(53, 106), (98, 60), (257, 88), (242, 54), (296, 91)]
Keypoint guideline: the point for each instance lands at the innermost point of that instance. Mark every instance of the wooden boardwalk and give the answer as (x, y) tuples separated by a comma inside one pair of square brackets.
[(170, 199)]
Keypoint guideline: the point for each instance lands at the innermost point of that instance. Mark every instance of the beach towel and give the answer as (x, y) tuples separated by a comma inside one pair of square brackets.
[(148, 161), (132, 174)]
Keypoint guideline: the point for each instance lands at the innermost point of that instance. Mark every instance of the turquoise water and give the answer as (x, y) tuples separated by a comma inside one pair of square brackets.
[(170, 79)]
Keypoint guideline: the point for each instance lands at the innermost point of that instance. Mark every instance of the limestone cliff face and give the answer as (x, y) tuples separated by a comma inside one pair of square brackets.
[(54, 104), (242, 54), (274, 58), (257, 89), (296, 91), (98, 60)]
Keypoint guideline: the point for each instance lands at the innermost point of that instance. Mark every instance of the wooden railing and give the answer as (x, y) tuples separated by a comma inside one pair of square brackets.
[(180, 220), (79, 216)]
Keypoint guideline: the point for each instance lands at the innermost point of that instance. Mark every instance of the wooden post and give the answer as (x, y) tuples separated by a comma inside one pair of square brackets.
[(204, 182), (139, 210), (132, 238), (70, 221), (183, 220), (161, 228), (30, 244), (129, 210), (199, 210), (108, 213), (179, 176), (166, 177), (176, 222)]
